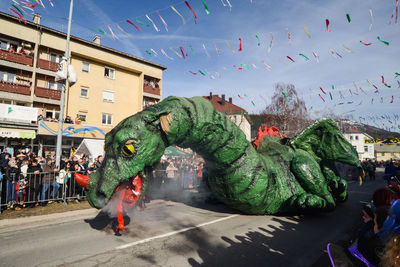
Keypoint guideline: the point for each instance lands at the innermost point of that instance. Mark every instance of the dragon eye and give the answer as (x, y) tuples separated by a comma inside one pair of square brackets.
[(129, 149)]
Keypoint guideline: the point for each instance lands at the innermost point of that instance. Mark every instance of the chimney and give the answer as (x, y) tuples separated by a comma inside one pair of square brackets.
[(230, 100), (36, 19), (97, 40), (210, 97), (223, 100)]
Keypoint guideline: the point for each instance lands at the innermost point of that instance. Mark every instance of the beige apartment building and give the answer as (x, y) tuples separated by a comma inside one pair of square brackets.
[(111, 86)]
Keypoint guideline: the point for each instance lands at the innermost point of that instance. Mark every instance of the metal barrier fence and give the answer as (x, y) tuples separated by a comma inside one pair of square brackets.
[(36, 188)]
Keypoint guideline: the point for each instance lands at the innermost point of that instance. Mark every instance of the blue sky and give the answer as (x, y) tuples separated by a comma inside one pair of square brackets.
[(245, 20)]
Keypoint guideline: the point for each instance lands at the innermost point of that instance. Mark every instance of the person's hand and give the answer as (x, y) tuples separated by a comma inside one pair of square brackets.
[(36, 172), (366, 217)]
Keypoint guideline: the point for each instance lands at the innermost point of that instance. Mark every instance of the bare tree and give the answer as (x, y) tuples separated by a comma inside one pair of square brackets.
[(289, 111)]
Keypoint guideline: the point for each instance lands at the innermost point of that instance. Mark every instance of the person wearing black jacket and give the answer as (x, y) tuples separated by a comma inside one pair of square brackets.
[(11, 176), (34, 182)]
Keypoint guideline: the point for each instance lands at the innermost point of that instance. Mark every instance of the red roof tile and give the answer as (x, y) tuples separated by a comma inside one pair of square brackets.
[(227, 107)]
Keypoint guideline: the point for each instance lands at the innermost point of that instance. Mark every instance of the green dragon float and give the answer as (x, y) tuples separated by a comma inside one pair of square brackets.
[(271, 176)]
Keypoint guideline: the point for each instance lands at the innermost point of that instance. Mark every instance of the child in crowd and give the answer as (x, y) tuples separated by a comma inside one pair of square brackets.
[(21, 188)]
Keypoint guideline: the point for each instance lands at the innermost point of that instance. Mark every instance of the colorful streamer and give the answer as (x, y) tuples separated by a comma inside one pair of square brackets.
[(154, 25), (391, 18), (397, 10), (385, 42), (30, 5), (321, 97), (239, 68), (348, 49), (122, 30), (195, 17), (383, 81), (391, 102), (240, 97), (101, 31), (206, 7), (191, 49), (330, 95), (334, 53), (163, 21), (266, 65), (216, 49), (112, 33), (205, 50), (348, 18), (372, 19), (176, 53), (366, 44), (253, 103), (154, 52), (130, 22), (254, 65), (19, 16), (289, 37), (316, 56), (305, 29), (258, 40), (291, 59), (322, 90), (183, 53), (271, 43), (165, 54), (233, 51), (240, 45), (194, 73), (305, 57), (397, 74), (327, 25), (142, 23), (179, 14), (148, 52)]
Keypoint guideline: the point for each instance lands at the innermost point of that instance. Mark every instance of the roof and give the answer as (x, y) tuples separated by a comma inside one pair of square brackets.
[(77, 39), (226, 107)]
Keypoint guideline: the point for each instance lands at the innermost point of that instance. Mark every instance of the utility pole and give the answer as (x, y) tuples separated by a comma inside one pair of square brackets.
[(62, 100)]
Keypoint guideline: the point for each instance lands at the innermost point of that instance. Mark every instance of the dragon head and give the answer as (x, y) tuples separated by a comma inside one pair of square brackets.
[(136, 142)]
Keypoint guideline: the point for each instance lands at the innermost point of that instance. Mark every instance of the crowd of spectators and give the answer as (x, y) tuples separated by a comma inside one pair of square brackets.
[(33, 180), (378, 239)]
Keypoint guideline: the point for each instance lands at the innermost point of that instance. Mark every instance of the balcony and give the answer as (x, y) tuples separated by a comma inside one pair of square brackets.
[(14, 88), (47, 65), (16, 57), (47, 93), (151, 90)]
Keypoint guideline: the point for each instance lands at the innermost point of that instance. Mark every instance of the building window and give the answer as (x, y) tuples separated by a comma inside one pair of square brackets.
[(356, 137), (3, 45), (7, 45), (85, 66), (351, 137), (106, 119), (55, 86), (82, 118), (55, 58), (365, 148), (109, 73), (84, 92), (7, 77), (108, 96)]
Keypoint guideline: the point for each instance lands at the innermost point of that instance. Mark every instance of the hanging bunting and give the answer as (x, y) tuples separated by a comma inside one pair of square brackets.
[(348, 18), (258, 40), (101, 31), (179, 14), (112, 33), (148, 52), (154, 52), (142, 23), (163, 21), (176, 53), (30, 5), (351, 92), (41, 3), (240, 97), (244, 66), (372, 19), (165, 54), (316, 56), (240, 45), (191, 49), (385, 42), (333, 87), (391, 102), (154, 25), (289, 37), (348, 49), (236, 67), (206, 7), (330, 95), (391, 18), (253, 103), (183, 53), (266, 65), (194, 73), (366, 44), (51, 3), (219, 74), (20, 12), (305, 29), (397, 74), (233, 51), (383, 81), (205, 50), (363, 91), (305, 57), (195, 17), (271, 43), (137, 28), (290, 59), (282, 62), (216, 49), (327, 25), (341, 95), (321, 97), (19, 16), (334, 53), (397, 10), (322, 90), (355, 86), (202, 73), (122, 30)]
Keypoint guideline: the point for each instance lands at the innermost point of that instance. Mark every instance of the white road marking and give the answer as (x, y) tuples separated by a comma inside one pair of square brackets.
[(174, 232)]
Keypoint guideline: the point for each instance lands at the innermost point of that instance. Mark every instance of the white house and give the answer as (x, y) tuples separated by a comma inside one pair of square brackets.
[(356, 138)]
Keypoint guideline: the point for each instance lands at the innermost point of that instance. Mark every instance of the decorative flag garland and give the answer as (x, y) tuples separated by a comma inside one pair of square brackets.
[(195, 17), (305, 29), (348, 18), (327, 25), (240, 45), (291, 59), (385, 42), (179, 14), (130, 22), (206, 7), (366, 44), (289, 37), (271, 43), (163, 21)]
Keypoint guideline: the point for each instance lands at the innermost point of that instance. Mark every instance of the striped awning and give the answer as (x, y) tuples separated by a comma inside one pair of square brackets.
[(17, 133)]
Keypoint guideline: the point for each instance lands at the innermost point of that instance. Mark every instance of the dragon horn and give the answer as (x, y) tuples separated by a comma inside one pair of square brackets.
[(82, 180)]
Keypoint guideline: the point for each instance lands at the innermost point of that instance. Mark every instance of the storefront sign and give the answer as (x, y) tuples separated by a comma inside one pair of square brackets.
[(17, 133), (388, 141), (18, 113)]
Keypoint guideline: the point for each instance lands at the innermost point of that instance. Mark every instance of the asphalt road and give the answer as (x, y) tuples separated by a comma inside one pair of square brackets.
[(191, 233)]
